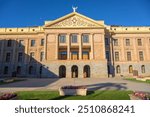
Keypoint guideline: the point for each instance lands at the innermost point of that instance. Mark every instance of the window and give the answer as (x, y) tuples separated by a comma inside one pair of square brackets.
[(128, 56), (9, 43), (85, 55), (115, 42), (31, 70), (143, 68), (6, 70), (8, 57), (141, 57), (130, 69), (41, 56), (107, 55), (63, 55), (74, 38), (127, 42), (31, 56), (21, 43), (74, 55), (42, 42), (20, 57), (18, 70), (116, 56), (62, 38), (118, 70), (139, 42), (32, 43), (85, 38)]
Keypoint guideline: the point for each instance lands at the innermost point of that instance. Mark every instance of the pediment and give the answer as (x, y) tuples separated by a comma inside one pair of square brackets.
[(74, 20)]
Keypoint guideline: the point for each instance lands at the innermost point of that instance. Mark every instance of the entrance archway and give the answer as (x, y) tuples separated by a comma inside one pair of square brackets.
[(86, 71), (74, 71), (62, 71)]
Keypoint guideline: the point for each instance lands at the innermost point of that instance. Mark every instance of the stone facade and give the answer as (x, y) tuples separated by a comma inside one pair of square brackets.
[(74, 46)]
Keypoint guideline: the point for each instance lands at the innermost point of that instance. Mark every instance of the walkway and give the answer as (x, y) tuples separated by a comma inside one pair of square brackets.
[(92, 84)]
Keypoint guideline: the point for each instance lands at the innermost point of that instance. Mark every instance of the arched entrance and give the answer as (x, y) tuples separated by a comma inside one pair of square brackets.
[(62, 71), (86, 71), (74, 71)]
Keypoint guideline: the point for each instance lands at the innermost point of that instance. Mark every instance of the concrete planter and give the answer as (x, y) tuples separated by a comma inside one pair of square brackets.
[(64, 92)]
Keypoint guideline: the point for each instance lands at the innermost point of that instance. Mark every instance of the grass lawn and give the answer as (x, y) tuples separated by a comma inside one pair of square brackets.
[(54, 95), (134, 79)]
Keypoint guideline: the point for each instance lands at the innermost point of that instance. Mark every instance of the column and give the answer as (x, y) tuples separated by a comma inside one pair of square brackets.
[(45, 46), (146, 42), (26, 46), (134, 53), (122, 53), (104, 49), (14, 51), (80, 46), (92, 47), (57, 46), (68, 46)]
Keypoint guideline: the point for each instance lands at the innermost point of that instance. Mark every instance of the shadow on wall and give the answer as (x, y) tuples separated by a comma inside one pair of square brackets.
[(14, 62), (109, 54)]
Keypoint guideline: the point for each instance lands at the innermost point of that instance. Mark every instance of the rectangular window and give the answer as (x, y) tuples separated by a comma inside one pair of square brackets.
[(42, 42), (62, 38), (8, 57), (20, 57), (107, 55), (139, 42), (6, 70), (74, 55), (9, 43), (74, 38), (115, 42), (128, 56), (32, 56), (106, 41), (85, 55), (21, 43), (85, 38), (32, 43), (41, 56), (63, 55), (116, 56), (141, 56), (127, 42)]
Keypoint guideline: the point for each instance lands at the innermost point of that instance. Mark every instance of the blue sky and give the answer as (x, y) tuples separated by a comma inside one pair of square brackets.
[(22, 13)]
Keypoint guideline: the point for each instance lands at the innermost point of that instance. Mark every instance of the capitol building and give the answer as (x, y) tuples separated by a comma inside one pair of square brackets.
[(75, 46)]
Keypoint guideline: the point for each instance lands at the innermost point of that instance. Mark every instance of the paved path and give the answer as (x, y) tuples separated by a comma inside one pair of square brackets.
[(92, 84)]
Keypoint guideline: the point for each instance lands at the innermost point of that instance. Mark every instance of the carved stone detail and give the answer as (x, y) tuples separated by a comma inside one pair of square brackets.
[(75, 21)]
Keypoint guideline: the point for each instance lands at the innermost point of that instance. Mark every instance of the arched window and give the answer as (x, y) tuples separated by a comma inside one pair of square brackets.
[(62, 71), (31, 70), (74, 71), (86, 71), (18, 70), (130, 69), (143, 68), (118, 70)]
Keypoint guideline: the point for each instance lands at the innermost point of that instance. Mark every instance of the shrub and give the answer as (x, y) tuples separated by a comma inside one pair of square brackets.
[(73, 87), (142, 95), (7, 96)]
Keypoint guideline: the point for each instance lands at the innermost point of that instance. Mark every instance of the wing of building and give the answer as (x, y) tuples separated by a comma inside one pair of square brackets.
[(74, 46)]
